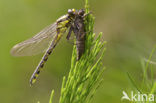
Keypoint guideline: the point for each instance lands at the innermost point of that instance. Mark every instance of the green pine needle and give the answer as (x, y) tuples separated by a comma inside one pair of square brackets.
[(51, 97)]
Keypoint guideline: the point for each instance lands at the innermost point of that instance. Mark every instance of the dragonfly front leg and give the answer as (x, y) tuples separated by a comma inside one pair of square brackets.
[(69, 33), (86, 14)]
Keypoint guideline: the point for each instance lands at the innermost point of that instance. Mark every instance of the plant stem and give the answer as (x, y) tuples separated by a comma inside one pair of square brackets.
[(85, 75)]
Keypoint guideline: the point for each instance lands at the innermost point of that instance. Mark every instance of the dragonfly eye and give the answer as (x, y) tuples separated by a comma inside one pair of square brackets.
[(71, 11), (81, 12)]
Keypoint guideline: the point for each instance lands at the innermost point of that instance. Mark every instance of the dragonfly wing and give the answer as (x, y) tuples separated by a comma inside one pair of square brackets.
[(37, 44)]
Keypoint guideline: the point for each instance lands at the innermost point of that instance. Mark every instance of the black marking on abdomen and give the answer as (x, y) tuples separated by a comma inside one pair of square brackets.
[(38, 72), (42, 65)]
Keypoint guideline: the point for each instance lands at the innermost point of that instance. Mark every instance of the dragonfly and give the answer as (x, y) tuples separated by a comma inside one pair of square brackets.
[(47, 39)]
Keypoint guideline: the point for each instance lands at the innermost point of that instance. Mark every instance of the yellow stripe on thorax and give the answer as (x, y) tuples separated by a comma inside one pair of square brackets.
[(62, 27)]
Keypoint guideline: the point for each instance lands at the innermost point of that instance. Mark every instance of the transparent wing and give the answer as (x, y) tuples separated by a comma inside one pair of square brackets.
[(37, 44)]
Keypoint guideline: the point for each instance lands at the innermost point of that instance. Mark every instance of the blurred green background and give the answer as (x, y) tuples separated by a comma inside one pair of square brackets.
[(129, 27)]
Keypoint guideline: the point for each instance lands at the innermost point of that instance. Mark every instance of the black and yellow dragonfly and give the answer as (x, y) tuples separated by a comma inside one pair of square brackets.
[(47, 39)]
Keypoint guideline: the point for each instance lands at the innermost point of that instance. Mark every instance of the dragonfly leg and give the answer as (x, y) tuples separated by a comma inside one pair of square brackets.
[(69, 33), (86, 14)]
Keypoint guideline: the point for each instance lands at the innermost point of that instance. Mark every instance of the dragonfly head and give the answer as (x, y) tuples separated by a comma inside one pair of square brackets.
[(81, 12)]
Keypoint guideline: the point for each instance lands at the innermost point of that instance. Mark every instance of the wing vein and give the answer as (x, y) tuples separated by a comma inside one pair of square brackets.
[(37, 44)]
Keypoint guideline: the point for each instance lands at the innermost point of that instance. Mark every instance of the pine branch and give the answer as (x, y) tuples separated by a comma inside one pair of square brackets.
[(85, 75)]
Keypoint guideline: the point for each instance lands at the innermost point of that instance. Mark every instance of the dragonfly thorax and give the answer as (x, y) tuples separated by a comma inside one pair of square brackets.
[(62, 18)]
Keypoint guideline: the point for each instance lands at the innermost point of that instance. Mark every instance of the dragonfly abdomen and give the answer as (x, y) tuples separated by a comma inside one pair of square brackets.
[(40, 66)]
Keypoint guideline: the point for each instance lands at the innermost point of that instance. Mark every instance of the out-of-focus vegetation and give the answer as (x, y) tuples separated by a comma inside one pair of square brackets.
[(128, 27)]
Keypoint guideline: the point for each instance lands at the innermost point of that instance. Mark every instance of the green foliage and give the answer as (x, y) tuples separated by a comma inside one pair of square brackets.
[(85, 75), (148, 85), (51, 97)]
